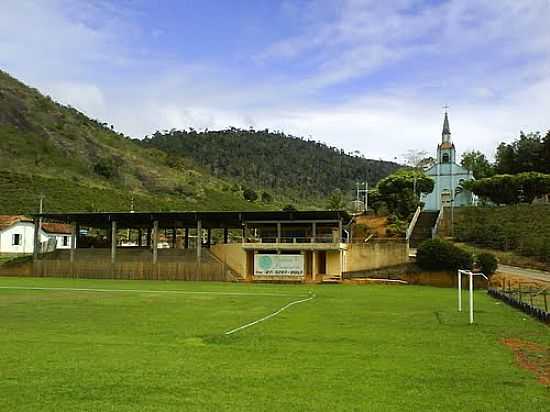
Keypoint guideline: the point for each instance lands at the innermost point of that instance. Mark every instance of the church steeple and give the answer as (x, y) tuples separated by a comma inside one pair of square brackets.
[(446, 128), (446, 150), (446, 134)]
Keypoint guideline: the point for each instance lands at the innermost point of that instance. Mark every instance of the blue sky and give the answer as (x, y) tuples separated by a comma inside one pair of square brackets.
[(363, 75)]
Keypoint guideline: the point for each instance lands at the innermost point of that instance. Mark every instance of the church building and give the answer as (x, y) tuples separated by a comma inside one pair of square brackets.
[(448, 176)]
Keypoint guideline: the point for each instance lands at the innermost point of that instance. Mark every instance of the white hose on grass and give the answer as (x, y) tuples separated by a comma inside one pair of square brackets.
[(271, 315)]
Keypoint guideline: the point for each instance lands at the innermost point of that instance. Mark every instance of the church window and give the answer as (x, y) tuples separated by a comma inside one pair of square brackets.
[(445, 158)]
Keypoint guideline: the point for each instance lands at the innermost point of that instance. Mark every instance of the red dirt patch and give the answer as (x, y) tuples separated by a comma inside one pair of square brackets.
[(531, 356), (375, 225)]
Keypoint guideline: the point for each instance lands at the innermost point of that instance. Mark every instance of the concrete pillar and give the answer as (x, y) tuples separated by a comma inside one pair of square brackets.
[(313, 232), (73, 240), (199, 238), (225, 235), (148, 237), (243, 234), (113, 241), (140, 236), (77, 233), (186, 238), (314, 264), (155, 240), (36, 246), (174, 237), (209, 237), (279, 232)]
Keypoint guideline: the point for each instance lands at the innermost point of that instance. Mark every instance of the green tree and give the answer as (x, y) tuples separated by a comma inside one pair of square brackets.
[(511, 189), (396, 190), (336, 200), (476, 162), (266, 197), (250, 195), (526, 154)]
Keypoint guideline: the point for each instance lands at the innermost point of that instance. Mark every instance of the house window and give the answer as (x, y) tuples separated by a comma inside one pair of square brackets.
[(65, 240), (16, 239), (445, 158)]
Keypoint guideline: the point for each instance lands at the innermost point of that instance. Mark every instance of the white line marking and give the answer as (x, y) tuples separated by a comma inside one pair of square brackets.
[(288, 305), (185, 292)]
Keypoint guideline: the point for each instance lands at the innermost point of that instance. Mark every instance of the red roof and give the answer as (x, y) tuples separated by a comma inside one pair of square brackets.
[(59, 228), (8, 220)]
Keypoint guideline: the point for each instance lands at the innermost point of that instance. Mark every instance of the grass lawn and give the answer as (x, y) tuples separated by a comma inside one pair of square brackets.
[(390, 348)]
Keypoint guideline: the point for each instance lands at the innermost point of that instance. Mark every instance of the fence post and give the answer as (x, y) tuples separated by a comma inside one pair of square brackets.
[(545, 302), (530, 296)]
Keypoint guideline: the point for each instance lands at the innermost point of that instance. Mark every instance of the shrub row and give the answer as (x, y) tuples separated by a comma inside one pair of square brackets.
[(437, 254)]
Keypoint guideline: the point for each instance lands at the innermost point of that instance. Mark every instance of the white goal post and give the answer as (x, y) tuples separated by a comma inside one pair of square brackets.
[(471, 275)]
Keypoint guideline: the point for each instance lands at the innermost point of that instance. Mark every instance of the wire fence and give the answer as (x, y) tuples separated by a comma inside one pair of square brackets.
[(532, 299)]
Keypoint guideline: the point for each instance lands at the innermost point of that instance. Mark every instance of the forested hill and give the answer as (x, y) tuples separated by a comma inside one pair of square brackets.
[(78, 163), (274, 161)]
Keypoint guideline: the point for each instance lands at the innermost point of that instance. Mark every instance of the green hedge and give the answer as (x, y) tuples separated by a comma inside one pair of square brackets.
[(437, 254)]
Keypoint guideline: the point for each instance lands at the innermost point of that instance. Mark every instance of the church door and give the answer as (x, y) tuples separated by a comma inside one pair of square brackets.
[(446, 199)]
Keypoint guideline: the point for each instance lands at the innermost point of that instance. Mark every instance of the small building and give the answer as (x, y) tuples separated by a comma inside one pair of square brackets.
[(17, 235), (448, 177)]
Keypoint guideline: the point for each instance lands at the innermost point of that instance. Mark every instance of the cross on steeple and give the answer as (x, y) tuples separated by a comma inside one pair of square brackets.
[(445, 107)]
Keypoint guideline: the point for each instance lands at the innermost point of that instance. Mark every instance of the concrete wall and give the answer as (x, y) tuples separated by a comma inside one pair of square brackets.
[(334, 263), (233, 255), (374, 254)]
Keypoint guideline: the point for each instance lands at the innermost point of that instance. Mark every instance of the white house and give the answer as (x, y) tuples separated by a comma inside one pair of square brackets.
[(17, 234)]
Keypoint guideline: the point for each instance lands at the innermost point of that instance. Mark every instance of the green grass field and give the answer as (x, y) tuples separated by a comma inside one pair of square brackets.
[(391, 348)]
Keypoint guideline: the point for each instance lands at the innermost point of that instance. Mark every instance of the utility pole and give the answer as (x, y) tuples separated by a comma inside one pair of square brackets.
[(132, 204), (41, 210), (362, 194), (366, 195)]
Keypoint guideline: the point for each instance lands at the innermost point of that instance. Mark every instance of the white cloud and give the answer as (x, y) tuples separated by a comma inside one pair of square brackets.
[(488, 60)]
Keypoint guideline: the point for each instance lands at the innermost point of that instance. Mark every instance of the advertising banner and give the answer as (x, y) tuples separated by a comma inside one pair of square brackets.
[(278, 265)]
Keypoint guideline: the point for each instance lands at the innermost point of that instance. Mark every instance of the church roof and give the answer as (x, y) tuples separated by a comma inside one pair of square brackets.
[(446, 127)]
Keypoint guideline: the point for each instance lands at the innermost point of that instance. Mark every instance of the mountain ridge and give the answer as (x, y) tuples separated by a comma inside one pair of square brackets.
[(79, 163)]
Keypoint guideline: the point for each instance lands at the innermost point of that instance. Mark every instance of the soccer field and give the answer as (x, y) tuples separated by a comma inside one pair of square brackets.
[(162, 346)]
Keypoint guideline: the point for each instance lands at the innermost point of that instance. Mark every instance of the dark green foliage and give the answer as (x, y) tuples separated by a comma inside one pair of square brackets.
[(511, 189), (437, 254), (250, 195), (266, 197), (280, 163), (396, 191), (476, 162), (487, 263), (336, 200), (524, 229), (529, 153), (106, 168), (289, 208)]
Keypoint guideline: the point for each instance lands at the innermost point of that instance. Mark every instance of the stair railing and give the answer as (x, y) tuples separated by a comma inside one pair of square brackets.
[(437, 223), (412, 224)]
